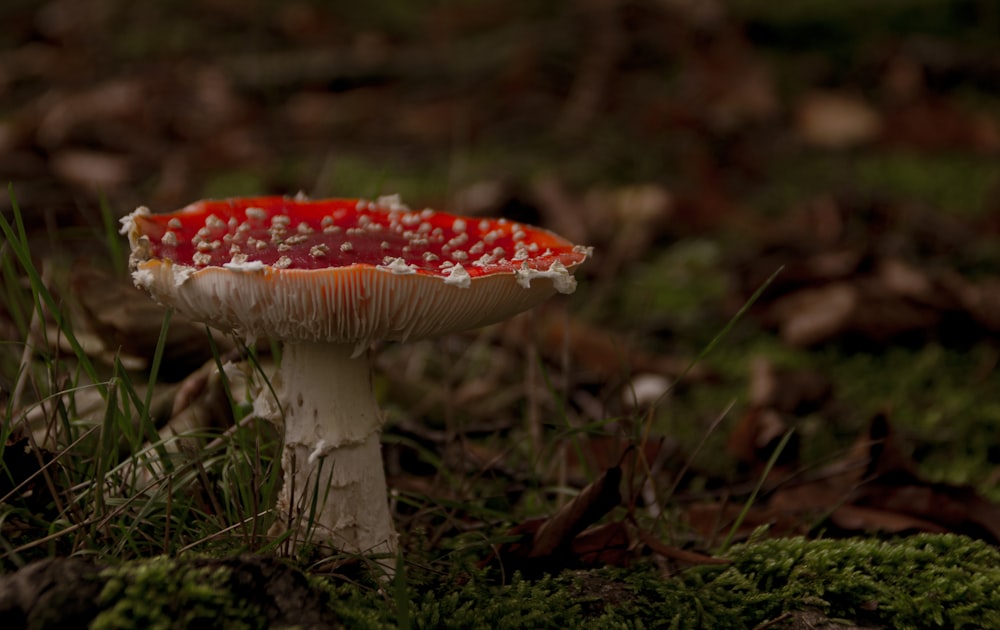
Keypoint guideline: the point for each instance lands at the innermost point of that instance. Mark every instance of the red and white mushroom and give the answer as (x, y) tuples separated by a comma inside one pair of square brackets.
[(328, 278)]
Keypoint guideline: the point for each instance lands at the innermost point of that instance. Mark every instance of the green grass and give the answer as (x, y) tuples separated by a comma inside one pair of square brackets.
[(107, 485)]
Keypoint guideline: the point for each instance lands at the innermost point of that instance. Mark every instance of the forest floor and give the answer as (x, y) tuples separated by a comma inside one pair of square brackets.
[(779, 370)]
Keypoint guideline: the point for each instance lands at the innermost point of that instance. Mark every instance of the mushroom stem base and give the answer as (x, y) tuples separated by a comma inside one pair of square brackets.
[(334, 489)]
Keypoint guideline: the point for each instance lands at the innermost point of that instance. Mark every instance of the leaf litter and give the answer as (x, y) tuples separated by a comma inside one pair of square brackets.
[(491, 430)]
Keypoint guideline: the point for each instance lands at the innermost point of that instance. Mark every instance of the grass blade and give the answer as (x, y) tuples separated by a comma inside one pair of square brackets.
[(756, 491), (18, 242), (111, 237)]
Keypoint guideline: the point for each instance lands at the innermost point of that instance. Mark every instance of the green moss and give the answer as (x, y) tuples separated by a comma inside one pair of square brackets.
[(926, 581), (684, 283), (163, 593), (943, 404), (522, 604), (944, 400), (957, 184)]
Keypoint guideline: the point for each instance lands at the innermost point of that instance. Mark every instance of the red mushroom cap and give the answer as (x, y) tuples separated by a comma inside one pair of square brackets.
[(344, 270)]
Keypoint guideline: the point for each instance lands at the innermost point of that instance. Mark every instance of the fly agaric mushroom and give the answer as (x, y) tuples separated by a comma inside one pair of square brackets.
[(328, 278)]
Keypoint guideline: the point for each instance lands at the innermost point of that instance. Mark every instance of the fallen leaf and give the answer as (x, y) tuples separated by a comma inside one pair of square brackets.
[(788, 391), (543, 545), (593, 502), (598, 353), (609, 544), (836, 120), (813, 316), (934, 123), (127, 322), (874, 488), (95, 171), (70, 113)]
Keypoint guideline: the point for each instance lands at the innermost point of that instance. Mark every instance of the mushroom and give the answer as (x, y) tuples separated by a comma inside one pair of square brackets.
[(328, 278)]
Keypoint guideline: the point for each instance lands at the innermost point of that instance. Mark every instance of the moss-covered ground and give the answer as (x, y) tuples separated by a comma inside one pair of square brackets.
[(925, 581)]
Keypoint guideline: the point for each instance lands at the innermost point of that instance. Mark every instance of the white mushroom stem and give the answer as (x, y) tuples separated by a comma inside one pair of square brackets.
[(334, 485)]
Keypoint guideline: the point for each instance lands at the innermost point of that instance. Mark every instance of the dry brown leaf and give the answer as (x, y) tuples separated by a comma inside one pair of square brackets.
[(791, 391), (895, 301), (836, 120), (874, 488), (596, 352), (725, 84), (69, 113), (754, 437), (934, 123), (593, 502), (126, 321), (547, 544), (604, 545), (813, 316), (96, 171)]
